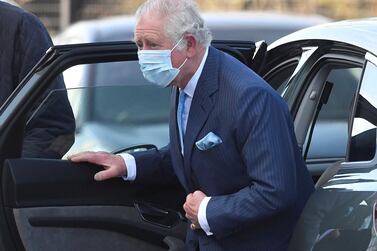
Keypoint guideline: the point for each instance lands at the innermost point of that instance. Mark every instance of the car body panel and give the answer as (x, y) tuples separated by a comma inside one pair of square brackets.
[(359, 33)]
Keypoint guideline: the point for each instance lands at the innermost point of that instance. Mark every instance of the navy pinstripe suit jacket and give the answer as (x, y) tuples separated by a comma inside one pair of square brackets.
[(257, 179)]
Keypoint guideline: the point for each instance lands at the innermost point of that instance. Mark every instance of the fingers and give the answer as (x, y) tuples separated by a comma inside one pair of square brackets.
[(114, 164), (188, 214), (188, 197), (197, 193), (192, 204), (91, 157), (106, 174), (187, 206), (99, 158)]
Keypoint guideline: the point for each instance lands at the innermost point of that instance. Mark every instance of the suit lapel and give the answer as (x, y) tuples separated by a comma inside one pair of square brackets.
[(201, 106)]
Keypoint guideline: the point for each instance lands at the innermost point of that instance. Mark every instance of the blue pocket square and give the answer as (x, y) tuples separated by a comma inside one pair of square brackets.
[(209, 141)]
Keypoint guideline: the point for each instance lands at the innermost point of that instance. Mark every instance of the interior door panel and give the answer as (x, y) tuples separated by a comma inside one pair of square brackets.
[(43, 182), (90, 228), (60, 199)]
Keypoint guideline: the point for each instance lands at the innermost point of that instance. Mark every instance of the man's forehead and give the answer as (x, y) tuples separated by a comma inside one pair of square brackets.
[(148, 34), (150, 26)]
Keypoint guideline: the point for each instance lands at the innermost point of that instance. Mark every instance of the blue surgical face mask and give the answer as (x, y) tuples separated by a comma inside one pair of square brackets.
[(156, 66)]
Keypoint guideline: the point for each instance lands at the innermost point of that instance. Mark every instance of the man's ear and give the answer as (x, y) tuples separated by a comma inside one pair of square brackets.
[(191, 45)]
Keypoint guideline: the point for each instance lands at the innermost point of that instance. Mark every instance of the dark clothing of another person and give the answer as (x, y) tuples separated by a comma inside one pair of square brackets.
[(23, 42)]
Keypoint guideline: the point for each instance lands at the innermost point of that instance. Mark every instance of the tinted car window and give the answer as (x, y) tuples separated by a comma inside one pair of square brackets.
[(280, 79), (120, 73), (363, 141), (133, 99), (114, 108), (283, 75), (330, 133), (136, 104)]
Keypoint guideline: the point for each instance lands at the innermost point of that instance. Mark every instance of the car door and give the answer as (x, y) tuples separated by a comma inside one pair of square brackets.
[(52, 204), (341, 213), (49, 203)]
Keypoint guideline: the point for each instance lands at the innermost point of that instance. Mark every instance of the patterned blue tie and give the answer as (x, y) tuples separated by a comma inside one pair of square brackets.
[(180, 111)]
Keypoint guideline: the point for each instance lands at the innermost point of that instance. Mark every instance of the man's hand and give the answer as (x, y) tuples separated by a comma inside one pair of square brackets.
[(113, 164), (191, 207)]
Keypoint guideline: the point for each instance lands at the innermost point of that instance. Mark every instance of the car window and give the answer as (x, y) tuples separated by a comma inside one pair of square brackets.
[(280, 79), (130, 104), (116, 72), (113, 111), (327, 137), (114, 107), (363, 136)]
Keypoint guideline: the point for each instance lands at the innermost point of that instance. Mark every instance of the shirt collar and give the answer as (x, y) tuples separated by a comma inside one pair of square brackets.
[(191, 85)]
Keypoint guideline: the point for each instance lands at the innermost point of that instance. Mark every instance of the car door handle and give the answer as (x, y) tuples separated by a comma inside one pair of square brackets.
[(161, 217)]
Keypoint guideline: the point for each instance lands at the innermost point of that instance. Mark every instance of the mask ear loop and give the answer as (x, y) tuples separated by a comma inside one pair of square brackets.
[(194, 25), (182, 64), (175, 46)]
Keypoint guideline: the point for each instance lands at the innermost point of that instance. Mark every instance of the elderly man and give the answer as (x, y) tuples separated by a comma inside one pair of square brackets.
[(232, 144)]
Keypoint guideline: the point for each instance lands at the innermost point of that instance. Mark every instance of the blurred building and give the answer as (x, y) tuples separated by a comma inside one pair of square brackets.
[(58, 14)]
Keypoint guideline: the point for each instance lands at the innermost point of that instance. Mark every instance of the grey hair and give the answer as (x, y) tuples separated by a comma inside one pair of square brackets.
[(182, 17)]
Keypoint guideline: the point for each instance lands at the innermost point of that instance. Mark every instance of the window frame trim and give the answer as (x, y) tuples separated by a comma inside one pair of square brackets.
[(369, 58)]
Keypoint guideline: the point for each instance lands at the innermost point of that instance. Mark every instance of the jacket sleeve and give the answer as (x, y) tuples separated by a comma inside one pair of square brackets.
[(50, 130), (266, 140)]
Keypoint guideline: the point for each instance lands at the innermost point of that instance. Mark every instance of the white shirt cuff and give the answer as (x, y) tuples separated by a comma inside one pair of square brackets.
[(202, 216), (130, 162)]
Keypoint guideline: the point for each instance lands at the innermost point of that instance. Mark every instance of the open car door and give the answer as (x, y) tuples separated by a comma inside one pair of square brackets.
[(49, 203)]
